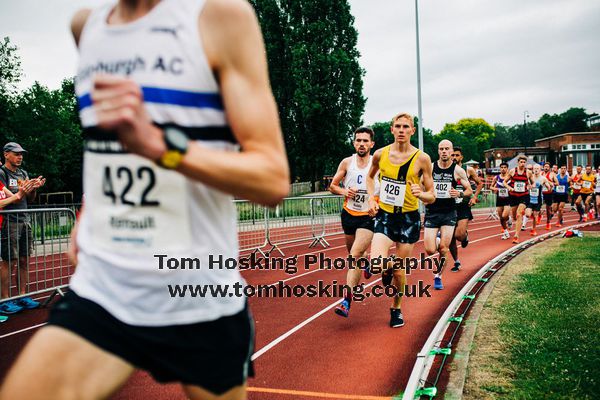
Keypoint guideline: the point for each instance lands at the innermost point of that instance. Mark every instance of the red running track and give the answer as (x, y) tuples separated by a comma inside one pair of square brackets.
[(304, 350)]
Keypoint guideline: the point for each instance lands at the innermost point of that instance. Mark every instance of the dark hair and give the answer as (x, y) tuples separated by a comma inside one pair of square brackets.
[(506, 164), (365, 129), (458, 148)]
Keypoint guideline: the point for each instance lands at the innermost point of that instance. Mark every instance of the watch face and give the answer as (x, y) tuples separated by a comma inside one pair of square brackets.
[(176, 138)]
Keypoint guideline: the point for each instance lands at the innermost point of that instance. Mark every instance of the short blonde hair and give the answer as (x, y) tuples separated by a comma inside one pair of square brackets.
[(404, 115)]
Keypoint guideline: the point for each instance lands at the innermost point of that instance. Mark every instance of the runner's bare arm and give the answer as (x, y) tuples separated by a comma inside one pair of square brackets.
[(461, 177), (493, 187), (373, 206), (334, 187), (511, 173), (425, 167), (11, 198), (235, 49), (473, 175)]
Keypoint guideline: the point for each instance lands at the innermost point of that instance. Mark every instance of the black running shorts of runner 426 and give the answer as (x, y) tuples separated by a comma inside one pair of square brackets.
[(399, 227), (214, 355), (351, 223)]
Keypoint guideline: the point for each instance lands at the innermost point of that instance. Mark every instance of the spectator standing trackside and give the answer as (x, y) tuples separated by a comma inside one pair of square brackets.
[(16, 237)]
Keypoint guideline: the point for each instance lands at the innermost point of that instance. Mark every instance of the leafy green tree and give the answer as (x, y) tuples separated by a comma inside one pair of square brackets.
[(504, 137), (45, 122), (10, 67), (474, 135), (316, 78)]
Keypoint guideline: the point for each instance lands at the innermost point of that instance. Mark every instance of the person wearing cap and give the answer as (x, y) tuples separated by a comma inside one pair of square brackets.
[(16, 237)]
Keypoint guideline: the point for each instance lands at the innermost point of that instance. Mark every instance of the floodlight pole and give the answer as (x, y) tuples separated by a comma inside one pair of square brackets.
[(419, 79)]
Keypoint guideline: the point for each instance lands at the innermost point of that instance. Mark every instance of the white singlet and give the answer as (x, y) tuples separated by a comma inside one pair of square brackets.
[(136, 210)]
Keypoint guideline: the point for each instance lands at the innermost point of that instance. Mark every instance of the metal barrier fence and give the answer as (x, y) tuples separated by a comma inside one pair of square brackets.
[(34, 244), (309, 219), (295, 220)]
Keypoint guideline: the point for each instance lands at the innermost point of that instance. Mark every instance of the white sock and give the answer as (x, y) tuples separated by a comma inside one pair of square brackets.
[(525, 220)]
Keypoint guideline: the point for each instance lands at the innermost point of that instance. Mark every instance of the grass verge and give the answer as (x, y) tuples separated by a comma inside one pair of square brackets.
[(538, 337)]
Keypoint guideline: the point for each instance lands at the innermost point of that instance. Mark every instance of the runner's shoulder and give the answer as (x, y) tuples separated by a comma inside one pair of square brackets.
[(424, 159), (78, 22)]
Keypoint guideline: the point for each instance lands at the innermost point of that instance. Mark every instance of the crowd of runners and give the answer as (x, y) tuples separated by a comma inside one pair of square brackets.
[(381, 208)]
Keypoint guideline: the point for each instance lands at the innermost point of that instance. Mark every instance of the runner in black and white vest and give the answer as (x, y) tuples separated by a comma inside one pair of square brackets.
[(440, 216)]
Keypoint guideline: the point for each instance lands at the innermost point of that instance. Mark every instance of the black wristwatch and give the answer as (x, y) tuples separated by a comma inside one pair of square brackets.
[(177, 145)]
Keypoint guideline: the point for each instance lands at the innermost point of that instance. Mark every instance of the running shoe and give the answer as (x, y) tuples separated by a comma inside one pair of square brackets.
[(437, 283), (3, 318), (539, 219), (533, 232), (548, 226), (28, 303), (584, 219), (343, 309), (465, 242), (396, 319), (386, 277), (456, 267), (591, 215), (558, 225), (515, 240), (10, 307)]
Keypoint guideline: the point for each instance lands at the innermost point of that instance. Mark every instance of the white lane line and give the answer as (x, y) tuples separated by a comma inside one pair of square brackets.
[(22, 330)]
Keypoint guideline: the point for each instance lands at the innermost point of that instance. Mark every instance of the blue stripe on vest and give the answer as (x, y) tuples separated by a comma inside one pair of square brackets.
[(170, 96)]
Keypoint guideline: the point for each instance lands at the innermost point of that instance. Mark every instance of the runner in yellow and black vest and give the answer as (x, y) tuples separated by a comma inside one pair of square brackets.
[(587, 189), (401, 169)]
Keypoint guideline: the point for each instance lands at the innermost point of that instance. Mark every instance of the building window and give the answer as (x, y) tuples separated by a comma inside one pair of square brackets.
[(565, 148), (579, 159)]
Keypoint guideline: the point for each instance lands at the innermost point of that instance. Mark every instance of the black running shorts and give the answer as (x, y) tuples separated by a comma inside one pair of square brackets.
[(439, 219), (516, 200), (463, 211), (351, 223), (399, 227), (214, 355), (548, 198)]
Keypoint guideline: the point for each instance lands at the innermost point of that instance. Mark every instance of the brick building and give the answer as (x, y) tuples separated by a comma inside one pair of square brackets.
[(571, 149)]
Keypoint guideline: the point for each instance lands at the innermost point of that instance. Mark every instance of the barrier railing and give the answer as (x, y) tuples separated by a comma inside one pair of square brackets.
[(309, 219), (34, 247)]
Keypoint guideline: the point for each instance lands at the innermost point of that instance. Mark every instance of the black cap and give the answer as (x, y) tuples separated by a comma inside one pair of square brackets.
[(14, 147)]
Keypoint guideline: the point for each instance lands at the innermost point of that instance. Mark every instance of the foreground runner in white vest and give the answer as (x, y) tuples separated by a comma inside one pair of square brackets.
[(168, 91)]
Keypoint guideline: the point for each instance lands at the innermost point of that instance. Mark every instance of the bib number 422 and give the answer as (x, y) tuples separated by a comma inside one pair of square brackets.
[(141, 180)]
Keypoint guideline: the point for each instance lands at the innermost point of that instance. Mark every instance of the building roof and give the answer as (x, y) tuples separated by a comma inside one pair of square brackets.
[(519, 148), (564, 134)]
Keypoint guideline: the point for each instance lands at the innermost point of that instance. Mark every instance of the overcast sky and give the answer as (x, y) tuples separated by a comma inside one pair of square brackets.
[(479, 58)]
